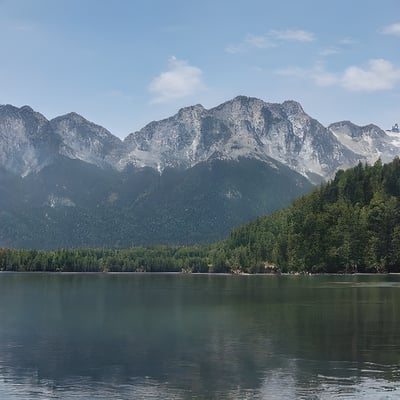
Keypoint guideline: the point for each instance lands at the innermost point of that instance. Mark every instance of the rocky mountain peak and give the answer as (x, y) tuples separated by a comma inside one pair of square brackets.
[(189, 115), (195, 109), (354, 131), (244, 127), (86, 141), (20, 112), (240, 104), (26, 143), (370, 141), (8, 109), (347, 128), (292, 107), (75, 123), (246, 101), (73, 116), (27, 109)]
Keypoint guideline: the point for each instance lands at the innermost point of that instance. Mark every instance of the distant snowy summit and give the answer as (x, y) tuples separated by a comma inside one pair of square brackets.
[(243, 127), (369, 141)]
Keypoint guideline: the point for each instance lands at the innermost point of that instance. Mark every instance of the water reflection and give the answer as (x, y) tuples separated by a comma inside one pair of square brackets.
[(345, 384), (176, 336), (278, 383)]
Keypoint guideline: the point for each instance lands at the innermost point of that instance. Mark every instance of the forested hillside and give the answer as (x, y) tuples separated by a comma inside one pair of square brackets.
[(109, 209), (351, 224)]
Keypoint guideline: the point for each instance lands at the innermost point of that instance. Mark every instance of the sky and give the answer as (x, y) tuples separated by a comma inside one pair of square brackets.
[(125, 63)]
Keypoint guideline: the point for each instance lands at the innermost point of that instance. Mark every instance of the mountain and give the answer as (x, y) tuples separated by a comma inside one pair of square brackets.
[(76, 204), (86, 141), (190, 178), (369, 141), (27, 143), (348, 225), (243, 127)]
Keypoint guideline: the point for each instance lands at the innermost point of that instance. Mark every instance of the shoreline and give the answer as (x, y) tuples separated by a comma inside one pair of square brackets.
[(195, 273)]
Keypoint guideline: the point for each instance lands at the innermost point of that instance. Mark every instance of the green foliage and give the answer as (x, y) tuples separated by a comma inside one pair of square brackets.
[(106, 208), (351, 224), (138, 259)]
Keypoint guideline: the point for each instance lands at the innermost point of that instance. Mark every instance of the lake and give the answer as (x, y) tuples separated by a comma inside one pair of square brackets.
[(177, 336)]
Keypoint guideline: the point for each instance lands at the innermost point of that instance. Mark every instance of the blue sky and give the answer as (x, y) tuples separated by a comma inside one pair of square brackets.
[(124, 63)]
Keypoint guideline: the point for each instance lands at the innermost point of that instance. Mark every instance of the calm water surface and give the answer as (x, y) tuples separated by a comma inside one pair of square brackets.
[(138, 336)]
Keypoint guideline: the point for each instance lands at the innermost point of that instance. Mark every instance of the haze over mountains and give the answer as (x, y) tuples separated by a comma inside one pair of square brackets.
[(190, 178)]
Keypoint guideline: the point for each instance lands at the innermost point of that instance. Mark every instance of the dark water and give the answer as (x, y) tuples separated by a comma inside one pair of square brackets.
[(140, 336)]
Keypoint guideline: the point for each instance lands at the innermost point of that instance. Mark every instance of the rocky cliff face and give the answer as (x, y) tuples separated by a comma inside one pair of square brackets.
[(27, 143), (86, 141), (369, 141), (244, 127)]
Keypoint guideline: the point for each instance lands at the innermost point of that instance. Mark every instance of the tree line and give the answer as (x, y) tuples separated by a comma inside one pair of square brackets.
[(136, 259), (350, 224)]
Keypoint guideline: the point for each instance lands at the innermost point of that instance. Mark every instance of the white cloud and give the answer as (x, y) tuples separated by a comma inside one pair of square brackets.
[(347, 41), (292, 72), (258, 41), (393, 29), (293, 35), (269, 40), (316, 74), (251, 42), (329, 51), (234, 49), (181, 80), (378, 75)]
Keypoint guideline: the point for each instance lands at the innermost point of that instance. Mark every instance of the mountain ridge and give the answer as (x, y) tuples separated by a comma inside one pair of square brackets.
[(241, 127), (187, 179)]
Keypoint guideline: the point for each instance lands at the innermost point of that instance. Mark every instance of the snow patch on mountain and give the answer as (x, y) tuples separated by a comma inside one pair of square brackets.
[(370, 141), (395, 137), (58, 201)]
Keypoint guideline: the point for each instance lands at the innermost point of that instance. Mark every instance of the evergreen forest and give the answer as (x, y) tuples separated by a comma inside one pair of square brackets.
[(350, 224)]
